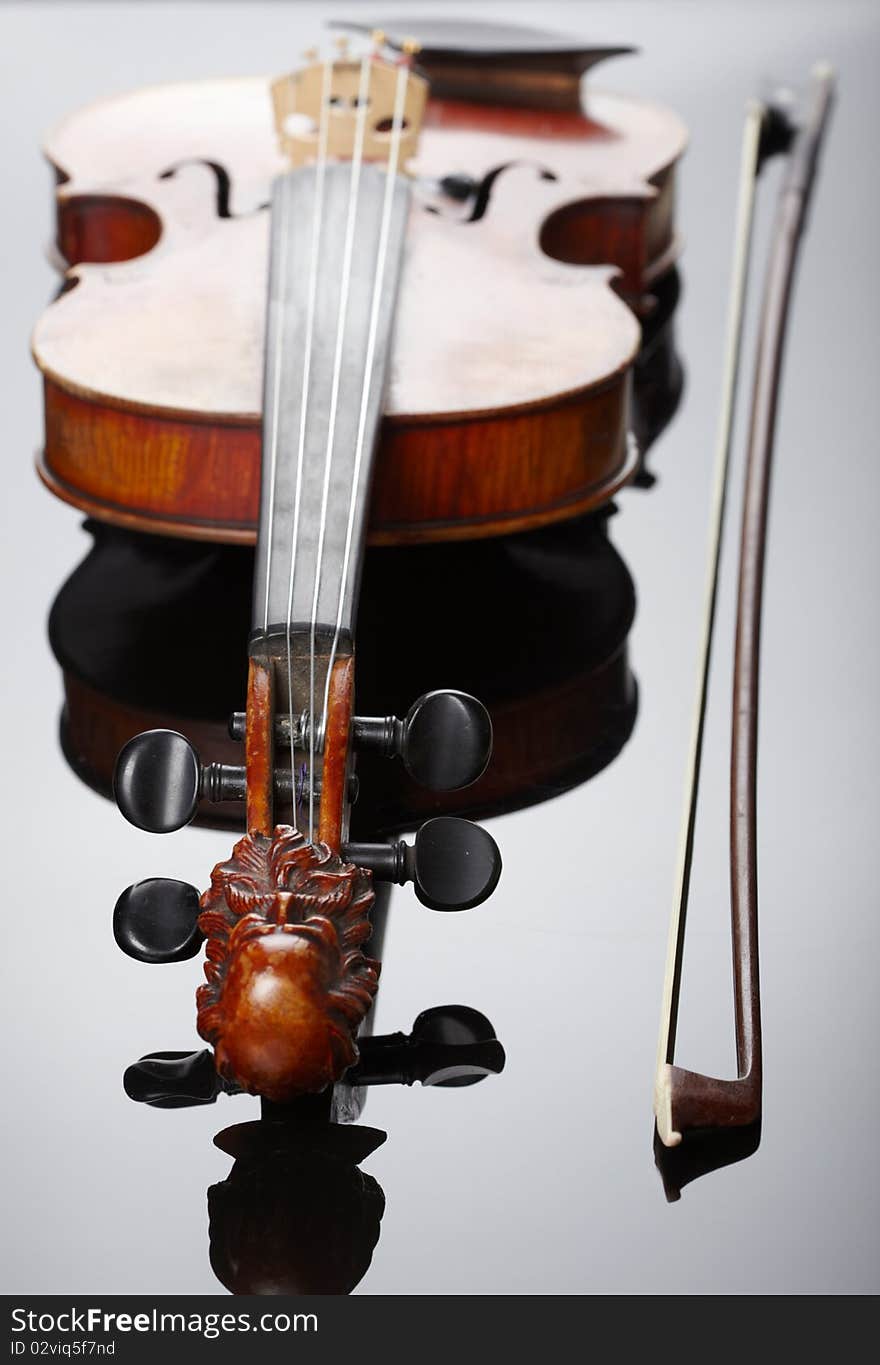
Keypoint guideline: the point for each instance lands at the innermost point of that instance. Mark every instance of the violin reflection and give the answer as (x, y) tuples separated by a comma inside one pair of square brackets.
[(133, 625), (296, 1214)]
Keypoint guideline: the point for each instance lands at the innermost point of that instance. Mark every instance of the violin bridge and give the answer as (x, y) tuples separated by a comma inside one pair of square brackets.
[(317, 110)]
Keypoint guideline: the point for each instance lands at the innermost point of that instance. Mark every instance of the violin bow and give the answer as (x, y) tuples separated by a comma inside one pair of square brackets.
[(689, 1102)]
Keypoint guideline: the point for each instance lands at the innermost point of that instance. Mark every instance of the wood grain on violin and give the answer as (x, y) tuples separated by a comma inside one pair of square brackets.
[(260, 745), (433, 481)]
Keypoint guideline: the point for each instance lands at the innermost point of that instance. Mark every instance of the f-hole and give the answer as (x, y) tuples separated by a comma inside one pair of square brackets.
[(222, 182), (487, 184)]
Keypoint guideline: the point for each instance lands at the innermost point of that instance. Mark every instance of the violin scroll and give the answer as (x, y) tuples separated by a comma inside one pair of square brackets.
[(288, 985)]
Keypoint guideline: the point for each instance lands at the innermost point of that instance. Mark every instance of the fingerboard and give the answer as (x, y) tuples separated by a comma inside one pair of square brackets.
[(336, 248)]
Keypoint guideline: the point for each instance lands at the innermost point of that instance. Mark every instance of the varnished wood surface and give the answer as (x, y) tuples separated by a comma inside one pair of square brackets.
[(260, 746), (502, 64), (434, 481), (93, 227), (333, 815)]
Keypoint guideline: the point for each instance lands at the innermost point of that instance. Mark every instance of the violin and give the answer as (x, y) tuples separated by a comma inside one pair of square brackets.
[(423, 339)]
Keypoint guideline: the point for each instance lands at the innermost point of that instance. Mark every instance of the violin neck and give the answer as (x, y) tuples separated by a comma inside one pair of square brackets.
[(337, 234)]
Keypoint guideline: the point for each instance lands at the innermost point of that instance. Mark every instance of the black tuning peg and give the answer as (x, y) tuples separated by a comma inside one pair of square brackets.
[(459, 186), (445, 740), (453, 864), (159, 779), (174, 1080), (450, 1045), (157, 921)]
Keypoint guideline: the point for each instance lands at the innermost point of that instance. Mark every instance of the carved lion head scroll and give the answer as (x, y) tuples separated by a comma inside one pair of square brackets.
[(287, 982)]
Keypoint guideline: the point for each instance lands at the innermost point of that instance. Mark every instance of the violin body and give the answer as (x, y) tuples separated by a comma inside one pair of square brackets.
[(153, 354)]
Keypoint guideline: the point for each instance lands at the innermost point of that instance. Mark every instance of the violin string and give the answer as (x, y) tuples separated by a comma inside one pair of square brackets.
[(348, 253), (314, 257), (367, 385), (276, 391)]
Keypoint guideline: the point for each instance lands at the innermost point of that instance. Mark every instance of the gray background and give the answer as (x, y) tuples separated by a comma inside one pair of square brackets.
[(541, 1180)]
